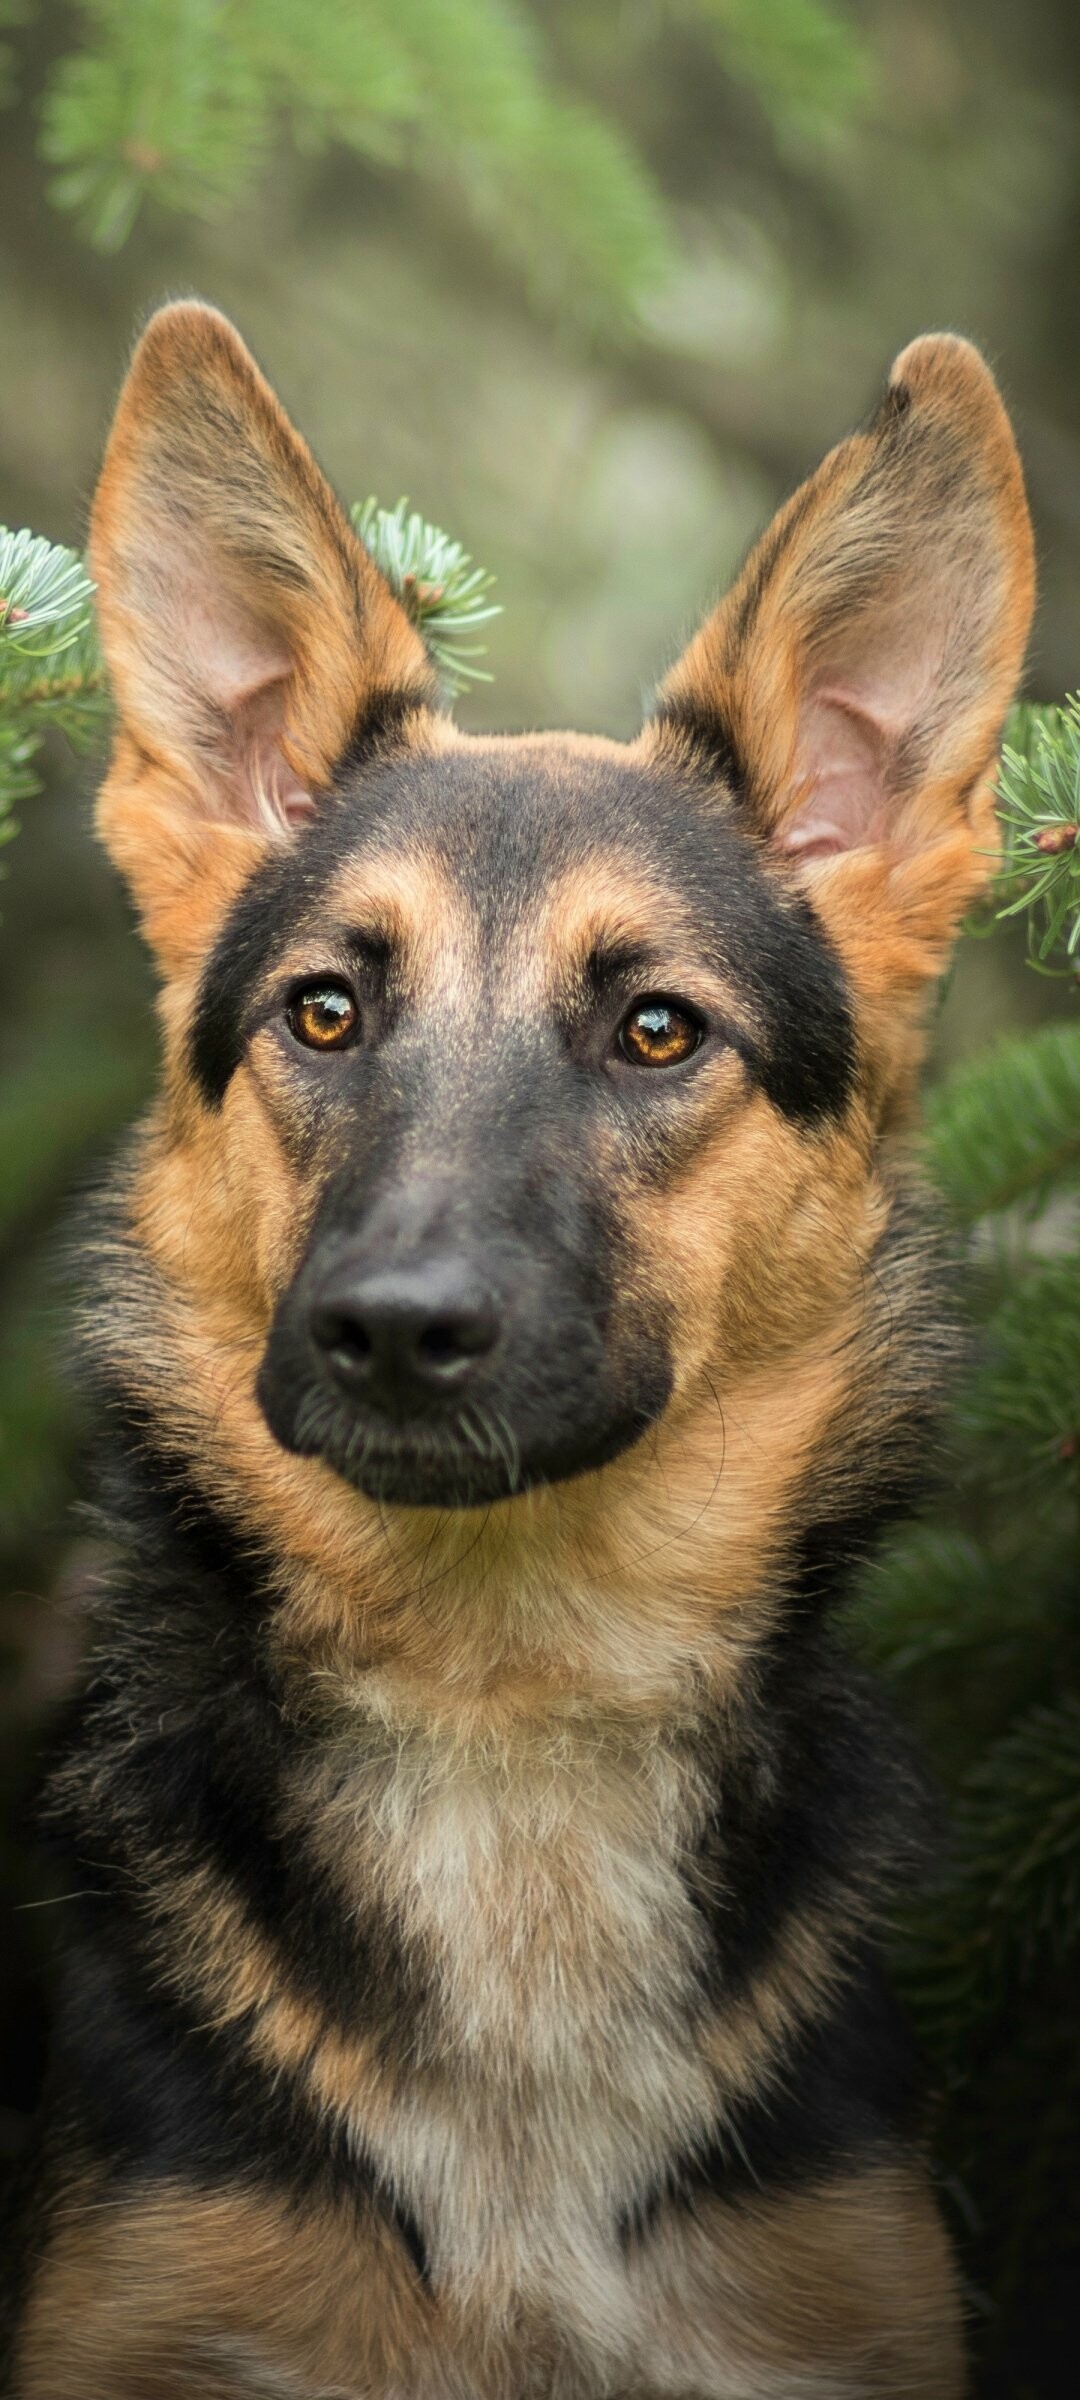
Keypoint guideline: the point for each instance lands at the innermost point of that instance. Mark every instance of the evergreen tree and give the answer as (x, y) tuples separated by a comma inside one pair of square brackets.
[(51, 671)]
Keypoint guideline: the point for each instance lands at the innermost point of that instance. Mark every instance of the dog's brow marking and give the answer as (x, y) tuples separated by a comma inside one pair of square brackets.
[(606, 897), (604, 907), (415, 903)]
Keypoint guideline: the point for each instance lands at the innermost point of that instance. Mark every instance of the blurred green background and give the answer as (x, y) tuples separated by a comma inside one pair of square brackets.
[(594, 282)]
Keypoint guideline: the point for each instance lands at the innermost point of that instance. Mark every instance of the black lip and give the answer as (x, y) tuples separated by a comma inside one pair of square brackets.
[(431, 1467), (408, 1477)]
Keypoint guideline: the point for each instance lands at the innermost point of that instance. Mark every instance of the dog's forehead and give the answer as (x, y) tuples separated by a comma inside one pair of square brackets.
[(526, 842)]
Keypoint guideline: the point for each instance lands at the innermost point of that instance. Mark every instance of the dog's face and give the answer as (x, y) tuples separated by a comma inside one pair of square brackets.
[(507, 1010), (524, 1094)]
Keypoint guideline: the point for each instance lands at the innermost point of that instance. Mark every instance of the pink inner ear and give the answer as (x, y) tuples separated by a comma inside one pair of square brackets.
[(242, 669), (841, 768), (264, 789), (853, 726)]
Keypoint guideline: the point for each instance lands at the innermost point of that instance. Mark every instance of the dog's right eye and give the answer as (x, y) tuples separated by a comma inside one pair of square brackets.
[(323, 1016), (658, 1034)]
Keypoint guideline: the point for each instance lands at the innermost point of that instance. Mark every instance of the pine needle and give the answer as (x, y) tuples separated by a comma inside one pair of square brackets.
[(437, 584), (51, 669), (1039, 811)]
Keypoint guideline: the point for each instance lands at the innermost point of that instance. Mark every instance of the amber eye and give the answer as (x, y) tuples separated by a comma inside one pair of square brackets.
[(657, 1034), (324, 1016)]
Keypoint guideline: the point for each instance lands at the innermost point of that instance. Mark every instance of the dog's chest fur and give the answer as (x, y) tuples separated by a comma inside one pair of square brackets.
[(554, 2070)]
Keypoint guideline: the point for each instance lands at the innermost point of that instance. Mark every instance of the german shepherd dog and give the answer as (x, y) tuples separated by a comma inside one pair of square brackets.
[(509, 1326)]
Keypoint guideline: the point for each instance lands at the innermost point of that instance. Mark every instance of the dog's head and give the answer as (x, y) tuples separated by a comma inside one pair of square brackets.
[(523, 1094)]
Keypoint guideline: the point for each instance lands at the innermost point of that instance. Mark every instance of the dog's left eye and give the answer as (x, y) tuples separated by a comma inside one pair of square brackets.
[(323, 1016), (658, 1034)]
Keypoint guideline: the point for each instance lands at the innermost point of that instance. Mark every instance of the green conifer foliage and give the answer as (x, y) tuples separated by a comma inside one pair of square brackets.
[(1040, 820), (180, 104), (976, 1616), (51, 671)]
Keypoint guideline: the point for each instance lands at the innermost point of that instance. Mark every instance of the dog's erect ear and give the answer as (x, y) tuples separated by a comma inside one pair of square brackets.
[(853, 684), (247, 632)]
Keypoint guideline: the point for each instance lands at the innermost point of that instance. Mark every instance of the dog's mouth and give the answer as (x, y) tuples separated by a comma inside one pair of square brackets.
[(468, 1461), (471, 1459)]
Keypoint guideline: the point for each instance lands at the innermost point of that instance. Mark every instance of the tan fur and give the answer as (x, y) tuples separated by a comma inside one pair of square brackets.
[(756, 1200), (844, 2293), (563, 1583), (495, 1848)]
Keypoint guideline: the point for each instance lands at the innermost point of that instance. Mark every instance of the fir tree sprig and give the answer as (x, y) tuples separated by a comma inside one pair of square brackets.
[(437, 583), (45, 595), (797, 55), (183, 104), (51, 670), (1020, 1418), (1011, 1906), (1039, 812), (937, 1597)]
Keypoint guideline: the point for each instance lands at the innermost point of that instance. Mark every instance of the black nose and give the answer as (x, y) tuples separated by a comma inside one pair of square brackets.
[(400, 1335)]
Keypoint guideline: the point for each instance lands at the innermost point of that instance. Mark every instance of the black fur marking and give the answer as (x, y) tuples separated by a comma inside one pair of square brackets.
[(896, 1451), (207, 1746), (809, 1069), (411, 2235), (764, 560), (152, 2096), (815, 1803), (819, 1808), (239, 958), (381, 724), (819, 1813), (179, 1751), (844, 2094), (196, 1772), (711, 740)]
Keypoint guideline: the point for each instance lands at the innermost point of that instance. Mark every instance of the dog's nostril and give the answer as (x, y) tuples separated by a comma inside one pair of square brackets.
[(447, 1339), (336, 1332), (438, 1342), (400, 1334)]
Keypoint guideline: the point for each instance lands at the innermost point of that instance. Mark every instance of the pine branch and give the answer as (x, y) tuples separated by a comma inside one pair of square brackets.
[(1021, 1415), (182, 103), (1009, 1906), (935, 1595), (1039, 812), (51, 669), (805, 61), (1006, 1128), (435, 580)]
